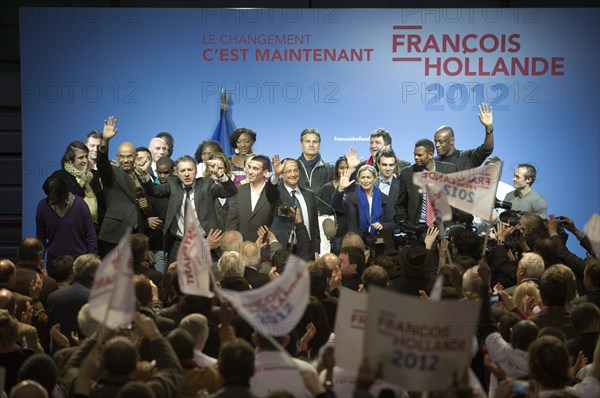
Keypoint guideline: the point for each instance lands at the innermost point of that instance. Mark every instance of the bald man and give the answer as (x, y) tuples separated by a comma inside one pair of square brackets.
[(122, 208), (158, 148)]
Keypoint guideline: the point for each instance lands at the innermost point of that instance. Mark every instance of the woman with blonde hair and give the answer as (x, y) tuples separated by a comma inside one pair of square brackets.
[(527, 297)]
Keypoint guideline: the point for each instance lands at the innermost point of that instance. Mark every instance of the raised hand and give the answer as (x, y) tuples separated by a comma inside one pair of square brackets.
[(432, 233), (110, 128), (214, 238), (35, 287), (485, 116), (277, 165), (353, 159), (345, 180)]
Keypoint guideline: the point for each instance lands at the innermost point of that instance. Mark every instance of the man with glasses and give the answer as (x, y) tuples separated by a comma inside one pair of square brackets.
[(470, 158)]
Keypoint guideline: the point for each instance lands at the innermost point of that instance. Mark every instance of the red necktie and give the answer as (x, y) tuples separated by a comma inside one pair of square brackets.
[(429, 213)]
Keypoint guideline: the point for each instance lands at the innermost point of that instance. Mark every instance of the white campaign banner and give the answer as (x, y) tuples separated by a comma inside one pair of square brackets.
[(194, 259), (112, 298), (274, 309), (473, 190), (350, 322), (420, 343)]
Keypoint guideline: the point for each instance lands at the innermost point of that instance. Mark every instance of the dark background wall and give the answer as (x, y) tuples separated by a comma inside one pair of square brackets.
[(10, 83)]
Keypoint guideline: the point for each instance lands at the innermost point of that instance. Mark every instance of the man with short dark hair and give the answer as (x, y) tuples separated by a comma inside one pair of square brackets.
[(236, 365), (314, 171), (352, 265), (412, 204), (471, 158), (387, 167), (31, 253), (524, 198), (93, 141)]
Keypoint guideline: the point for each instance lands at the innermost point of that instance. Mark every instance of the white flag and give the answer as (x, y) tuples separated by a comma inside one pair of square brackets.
[(194, 259), (436, 290), (274, 309), (112, 298), (472, 191)]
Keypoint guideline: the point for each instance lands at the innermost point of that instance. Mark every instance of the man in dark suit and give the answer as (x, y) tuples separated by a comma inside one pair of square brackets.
[(122, 205), (30, 254), (291, 195), (411, 204), (202, 192), (386, 167), (252, 207)]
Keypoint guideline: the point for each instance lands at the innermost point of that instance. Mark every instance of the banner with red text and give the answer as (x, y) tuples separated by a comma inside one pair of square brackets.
[(112, 298), (274, 309), (420, 343), (473, 190)]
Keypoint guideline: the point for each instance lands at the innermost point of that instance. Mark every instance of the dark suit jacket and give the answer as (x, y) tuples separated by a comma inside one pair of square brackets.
[(394, 191), (409, 203), (206, 192), (282, 227), (122, 210), (255, 278), (27, 273), (240, 216), (64, 305), (557, 317), (347, 202)]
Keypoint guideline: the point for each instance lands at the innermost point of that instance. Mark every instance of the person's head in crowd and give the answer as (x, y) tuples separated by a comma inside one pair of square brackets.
[(524, 332), (447, 269), (505, 324), (586, 318), (471, 282), (380, 138), (524, 176), (182, 343), (137, 389), (8, 273), (143, 157), (556, 287), (591, 274), (40, 367), (415, 261), (354, 240), (76, 156), (92, 141), (279, 259), (530, 266), (30, 251), (380, 244), (169, 292), (126, 156), (315, 313), (374, 275), (8, 328), (291, 173), (205, 149), (197, 326), (236, 363), (553, 331), (120, 357), (61, 269), (319, 274), (310, 139), (28, 389), (386, 163), (7, 300), (165, 168), (533, 224), (221, 162), (56, 189), (388, 263), (257, 169), (423, 153), (250, 254), (169, 140), (85, 323), (242, 140), (352, 260), (231, 241), (230, 264), (549, 362), (186, 170), (143, 289), (341, 165), (367, 176), (139, 247), (522, 291), (465, 262), (444, 141), (158, 148), (466, 243), (547, 249)]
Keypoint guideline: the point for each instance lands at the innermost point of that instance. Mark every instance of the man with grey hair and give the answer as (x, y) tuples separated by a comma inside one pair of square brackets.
[(197, 326), (251, 258), (64, 304), (530, 268), (158, 149)]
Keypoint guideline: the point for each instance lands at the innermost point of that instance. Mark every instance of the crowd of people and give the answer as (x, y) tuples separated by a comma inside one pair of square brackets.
[(538, 325)]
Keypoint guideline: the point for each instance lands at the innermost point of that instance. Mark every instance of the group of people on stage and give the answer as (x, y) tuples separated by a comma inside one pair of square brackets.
[(254, 210)]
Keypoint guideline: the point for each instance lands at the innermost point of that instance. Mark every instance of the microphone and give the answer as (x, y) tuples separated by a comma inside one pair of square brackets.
[(329, 228)]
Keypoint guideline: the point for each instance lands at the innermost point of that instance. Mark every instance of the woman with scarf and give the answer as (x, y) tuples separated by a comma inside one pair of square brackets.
[(366, 208), (82, 180)]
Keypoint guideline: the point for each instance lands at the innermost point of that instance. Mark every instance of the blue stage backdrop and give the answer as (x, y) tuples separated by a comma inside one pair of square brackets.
[(345, 72)]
